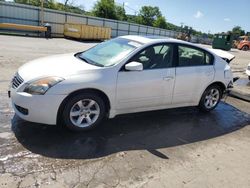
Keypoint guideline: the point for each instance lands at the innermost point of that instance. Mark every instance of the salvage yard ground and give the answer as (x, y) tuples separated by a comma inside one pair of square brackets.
[(169, 148)]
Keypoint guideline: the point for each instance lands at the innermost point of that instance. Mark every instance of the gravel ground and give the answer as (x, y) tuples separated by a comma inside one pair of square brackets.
[(169, 148)]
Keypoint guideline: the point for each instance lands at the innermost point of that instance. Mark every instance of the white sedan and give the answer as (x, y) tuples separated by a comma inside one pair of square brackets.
[(124, 75)]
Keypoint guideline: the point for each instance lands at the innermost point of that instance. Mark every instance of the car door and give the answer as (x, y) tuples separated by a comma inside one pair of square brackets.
[(151, 87), (194, 72)]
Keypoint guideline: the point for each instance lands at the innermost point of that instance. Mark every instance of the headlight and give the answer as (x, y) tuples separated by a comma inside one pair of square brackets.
[(41, 86)]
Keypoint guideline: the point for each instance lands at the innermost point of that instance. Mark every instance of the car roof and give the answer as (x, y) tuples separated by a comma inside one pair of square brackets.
[(158, 39), (150, 39)]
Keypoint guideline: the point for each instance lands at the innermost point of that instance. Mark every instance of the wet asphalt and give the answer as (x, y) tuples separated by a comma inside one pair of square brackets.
[(144, 131), (141, 131), (29, 149)]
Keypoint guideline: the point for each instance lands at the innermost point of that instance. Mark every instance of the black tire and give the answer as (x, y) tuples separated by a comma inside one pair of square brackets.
[(248, 77), (202, 102), (245, 48), (73, 100)]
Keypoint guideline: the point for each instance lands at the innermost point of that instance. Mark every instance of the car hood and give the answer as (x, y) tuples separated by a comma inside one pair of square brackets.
[(58, 65), (223, 54)]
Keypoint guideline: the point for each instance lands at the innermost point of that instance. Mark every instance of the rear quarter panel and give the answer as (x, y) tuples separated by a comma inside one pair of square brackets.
[(220, 67)]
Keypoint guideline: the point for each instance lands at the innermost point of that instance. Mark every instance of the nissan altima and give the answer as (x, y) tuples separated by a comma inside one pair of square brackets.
[(127, 74)]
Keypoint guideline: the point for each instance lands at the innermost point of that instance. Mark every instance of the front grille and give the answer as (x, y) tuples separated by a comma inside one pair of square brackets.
[(16, 81)]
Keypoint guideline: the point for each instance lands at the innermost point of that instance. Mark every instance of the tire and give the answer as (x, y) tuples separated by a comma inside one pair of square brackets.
[(245, 48), (84, 112), (212, 93), (248, 77)]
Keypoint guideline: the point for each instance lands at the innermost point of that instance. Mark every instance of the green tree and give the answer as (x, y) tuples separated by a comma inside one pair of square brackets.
[(105, 9), (160, 22), (77, 10), (52, 4), (121, 13), (132, 18), (148, 14), (237, 31), (171, 26), (29, 2)]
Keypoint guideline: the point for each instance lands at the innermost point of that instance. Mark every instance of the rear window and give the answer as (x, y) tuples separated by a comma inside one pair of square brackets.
[(189, 56)]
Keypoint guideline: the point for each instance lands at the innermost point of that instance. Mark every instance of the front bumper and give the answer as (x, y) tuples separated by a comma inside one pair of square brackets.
[(41, 108)]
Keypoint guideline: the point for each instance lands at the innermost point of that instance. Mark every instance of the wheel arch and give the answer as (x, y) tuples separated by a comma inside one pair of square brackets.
[(218, 83), (89, 90), (221, 85), (245, 44)]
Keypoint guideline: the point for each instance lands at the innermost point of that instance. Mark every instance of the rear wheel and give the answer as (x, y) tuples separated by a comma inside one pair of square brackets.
[(245, 48), (248, 77), (210, 98), (83, 112)]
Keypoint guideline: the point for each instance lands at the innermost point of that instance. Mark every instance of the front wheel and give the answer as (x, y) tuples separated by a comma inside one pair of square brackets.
[(83, 112), (245, 48), (210, 98)]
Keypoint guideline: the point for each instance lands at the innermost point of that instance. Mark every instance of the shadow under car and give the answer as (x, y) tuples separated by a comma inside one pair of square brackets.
[(141, 131)]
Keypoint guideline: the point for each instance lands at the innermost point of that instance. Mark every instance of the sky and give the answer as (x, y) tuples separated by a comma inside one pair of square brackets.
[(211, 16)]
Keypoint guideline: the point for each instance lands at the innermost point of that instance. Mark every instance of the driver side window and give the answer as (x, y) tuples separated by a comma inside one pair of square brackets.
[(155, 57)]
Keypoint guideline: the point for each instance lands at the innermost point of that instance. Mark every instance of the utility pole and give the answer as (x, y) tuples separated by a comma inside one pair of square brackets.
[(42, 12)]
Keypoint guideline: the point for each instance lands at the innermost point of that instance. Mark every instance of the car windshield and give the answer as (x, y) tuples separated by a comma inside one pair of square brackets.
[(109, 53)]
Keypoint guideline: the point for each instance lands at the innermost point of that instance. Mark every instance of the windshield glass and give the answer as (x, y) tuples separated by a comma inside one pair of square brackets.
[(110, 52)]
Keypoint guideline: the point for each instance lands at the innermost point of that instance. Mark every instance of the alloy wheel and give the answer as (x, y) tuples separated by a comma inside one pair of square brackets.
[(212, 98), (84, 113)]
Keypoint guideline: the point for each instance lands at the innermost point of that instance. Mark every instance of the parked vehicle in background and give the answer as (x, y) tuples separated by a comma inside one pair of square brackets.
[(223, 41), (244, 43), (124, 75), (184, 36), (248, 71)]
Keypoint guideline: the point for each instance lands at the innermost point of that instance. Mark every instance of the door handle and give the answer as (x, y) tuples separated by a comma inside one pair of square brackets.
[(168, 78)]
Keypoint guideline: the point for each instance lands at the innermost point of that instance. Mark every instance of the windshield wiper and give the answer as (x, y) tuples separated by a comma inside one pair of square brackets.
[(96, 64), (89, 61)]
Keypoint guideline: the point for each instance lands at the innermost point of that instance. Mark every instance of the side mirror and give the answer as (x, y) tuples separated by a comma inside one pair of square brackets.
[(134, 66)]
